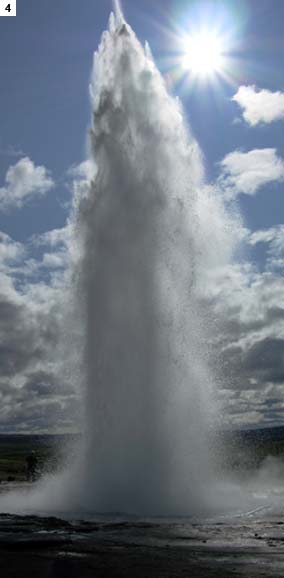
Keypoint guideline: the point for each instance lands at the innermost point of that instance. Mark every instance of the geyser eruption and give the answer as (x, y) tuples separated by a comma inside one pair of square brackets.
[(147, 235), (148, 398)]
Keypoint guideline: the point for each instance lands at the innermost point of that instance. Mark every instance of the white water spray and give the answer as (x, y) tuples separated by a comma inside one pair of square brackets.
[(148, 393), (147, 233)]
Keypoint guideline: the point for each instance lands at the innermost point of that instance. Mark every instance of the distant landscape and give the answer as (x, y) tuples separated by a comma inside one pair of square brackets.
[(15, 448), (246, 449), (239, 450)]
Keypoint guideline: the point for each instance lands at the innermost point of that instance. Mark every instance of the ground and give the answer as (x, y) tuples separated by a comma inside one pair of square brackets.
[(250, 545), (52, 548)]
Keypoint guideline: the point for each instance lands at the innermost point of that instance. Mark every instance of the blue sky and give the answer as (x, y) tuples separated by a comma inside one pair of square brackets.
[(46, 56)]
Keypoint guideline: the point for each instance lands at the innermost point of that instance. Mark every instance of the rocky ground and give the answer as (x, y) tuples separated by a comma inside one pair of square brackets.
[(32, 546), (49, 547)]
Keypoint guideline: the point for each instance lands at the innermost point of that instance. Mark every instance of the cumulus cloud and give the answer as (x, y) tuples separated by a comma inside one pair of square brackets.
[(23, 182), (273, 235), (247, 172), (58, 243), (54, 260), (11, 252), (265, 360), (260, 106), (81, 176), (54, 238), (273, 238), (38, 382), (248, 344), (19, 343), (84, 170), (38, 389)]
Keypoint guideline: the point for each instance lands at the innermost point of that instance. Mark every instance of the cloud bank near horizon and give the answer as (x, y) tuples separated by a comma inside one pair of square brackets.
[(35, 389)]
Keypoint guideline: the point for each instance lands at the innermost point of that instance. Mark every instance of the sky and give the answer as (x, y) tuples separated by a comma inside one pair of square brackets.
[(236, 114)]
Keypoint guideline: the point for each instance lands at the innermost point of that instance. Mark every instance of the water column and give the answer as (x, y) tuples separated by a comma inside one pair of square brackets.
[(146, 381)]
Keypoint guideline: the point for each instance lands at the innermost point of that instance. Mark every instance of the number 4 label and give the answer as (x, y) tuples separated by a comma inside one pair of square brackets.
[(7, 7)]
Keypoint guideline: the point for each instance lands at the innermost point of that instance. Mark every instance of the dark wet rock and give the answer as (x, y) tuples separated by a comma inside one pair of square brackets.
[(34, 543), (49, 547)]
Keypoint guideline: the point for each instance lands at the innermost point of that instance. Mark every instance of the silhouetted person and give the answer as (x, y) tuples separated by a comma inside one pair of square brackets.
[(31, 460)]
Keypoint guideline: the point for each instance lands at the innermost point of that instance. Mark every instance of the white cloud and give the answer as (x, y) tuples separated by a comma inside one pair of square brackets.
[(10, 251), (35, 357), (35, 352), (56, 260), (260, 105), (82, 176), (53, 238), (247, 314), (273, 236), (246, 172), (38, 381), (85, 170), (274, 239), (23, 182)]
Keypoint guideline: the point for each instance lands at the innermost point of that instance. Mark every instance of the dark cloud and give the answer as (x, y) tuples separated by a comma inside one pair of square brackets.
[(265, 360), (24, 335), (18, 339), (34, 393), (261, 363), (42, 384)]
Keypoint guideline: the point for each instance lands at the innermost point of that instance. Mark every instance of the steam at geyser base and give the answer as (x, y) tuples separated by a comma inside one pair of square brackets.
[(148, 233)]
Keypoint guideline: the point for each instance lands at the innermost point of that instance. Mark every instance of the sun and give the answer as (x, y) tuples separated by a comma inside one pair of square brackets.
[(203, 54)]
